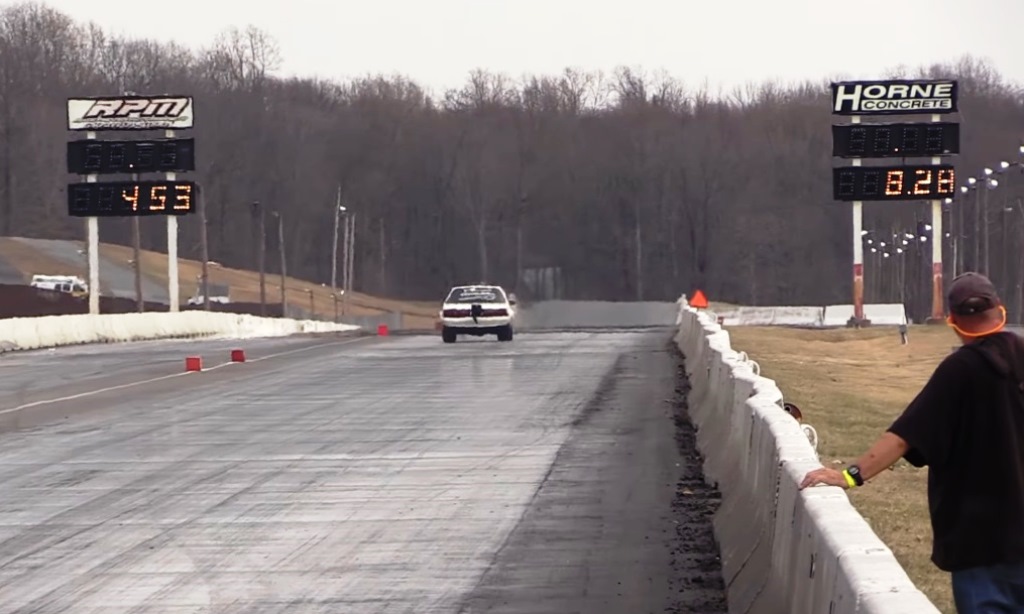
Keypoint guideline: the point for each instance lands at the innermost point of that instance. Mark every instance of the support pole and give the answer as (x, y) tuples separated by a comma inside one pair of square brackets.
[(858, 262), (938, 239), (938, 310), (93, 249), (858, 252), (172, 250), (137, 261), (172, 262), (93, 246)]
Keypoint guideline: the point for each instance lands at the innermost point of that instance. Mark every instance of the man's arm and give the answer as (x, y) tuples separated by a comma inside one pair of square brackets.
[(921, 434), (883, 454)]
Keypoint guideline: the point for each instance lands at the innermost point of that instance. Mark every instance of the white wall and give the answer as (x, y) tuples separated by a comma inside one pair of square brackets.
[(783, 550), (52, 331), (882, 314)]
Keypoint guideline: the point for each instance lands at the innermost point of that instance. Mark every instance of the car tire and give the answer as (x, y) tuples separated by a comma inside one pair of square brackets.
[(447, 335), (505, 334)]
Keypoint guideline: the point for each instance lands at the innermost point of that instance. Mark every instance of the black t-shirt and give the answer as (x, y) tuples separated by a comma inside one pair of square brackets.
[(967, 426)]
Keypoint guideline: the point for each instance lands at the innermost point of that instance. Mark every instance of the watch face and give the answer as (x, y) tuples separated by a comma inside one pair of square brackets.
[(854, 472)]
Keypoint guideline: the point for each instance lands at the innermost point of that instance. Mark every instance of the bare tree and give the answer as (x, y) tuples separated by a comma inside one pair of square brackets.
[(629, 185)]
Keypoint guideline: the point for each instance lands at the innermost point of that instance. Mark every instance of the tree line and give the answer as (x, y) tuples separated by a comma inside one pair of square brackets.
[(630, 185)]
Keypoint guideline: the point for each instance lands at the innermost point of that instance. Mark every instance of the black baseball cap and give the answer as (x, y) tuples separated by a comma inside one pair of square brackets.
[(971, 294)]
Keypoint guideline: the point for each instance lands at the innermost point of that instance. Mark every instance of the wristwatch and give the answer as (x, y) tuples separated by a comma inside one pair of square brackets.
[(853, 473)]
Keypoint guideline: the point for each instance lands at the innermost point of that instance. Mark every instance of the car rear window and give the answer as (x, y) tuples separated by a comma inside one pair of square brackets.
[(476, 295)]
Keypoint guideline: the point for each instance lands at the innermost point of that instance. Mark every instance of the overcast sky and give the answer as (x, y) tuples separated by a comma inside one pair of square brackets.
[(727, 42)]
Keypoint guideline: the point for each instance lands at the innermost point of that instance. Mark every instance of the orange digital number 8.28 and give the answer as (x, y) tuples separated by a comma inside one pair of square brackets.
[(947, 181), (922, 187), (894, 183)]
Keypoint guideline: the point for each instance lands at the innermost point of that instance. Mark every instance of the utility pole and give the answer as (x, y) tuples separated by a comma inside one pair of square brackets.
[(334, 247), (344, 264), (1020, 268), (985, 228), (284, 270), (382, 240), (204, 248), (351, 253), (262, 245), (976, 263)]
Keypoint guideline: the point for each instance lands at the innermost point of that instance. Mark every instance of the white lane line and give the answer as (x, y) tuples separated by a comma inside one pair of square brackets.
[(307, 348), (151, 380), (97, 391)]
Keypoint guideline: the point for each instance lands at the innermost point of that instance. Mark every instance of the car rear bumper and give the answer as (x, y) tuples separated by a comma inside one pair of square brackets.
[(480, 326)]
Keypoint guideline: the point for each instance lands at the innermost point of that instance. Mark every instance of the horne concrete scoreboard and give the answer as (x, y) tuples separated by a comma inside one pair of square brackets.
[(926, 181), (901, 179)]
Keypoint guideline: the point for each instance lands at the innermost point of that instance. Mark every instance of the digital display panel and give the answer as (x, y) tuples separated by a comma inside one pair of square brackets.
[(896, 140), (131, 198), (882, 183), (145, 156)]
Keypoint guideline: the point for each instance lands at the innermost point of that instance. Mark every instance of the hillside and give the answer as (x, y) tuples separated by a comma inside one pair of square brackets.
[(21, 258)]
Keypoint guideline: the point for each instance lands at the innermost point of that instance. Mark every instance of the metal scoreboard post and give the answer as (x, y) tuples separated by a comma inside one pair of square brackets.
[(933, 181), (169, 155)]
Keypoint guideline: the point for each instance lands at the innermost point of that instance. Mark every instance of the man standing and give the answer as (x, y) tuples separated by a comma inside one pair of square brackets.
[(967, 426)]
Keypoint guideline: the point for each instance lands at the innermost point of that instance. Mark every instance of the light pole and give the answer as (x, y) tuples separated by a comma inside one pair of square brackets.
[(1007, 211), (284, 270), (348, 258), (261, 244), (972, 184), (960, 235), (204, 245), (1020, 272), (339, 212), (991, 185)]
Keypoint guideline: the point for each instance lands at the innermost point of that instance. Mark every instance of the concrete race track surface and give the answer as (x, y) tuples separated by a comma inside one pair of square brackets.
[(356, 475)]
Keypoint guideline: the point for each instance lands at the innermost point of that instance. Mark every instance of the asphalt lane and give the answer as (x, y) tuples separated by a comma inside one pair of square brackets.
[(28, 377), (367, 475)]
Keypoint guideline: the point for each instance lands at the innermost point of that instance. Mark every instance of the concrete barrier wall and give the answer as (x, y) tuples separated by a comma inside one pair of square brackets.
[(53, 331), (783, 550)]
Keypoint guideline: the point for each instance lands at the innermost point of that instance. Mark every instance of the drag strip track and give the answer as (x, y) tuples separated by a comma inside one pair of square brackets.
[(394, 475), (37, 386)]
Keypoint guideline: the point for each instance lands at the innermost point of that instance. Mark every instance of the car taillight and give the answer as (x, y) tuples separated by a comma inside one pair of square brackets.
[(456, 313), (494, 312)]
